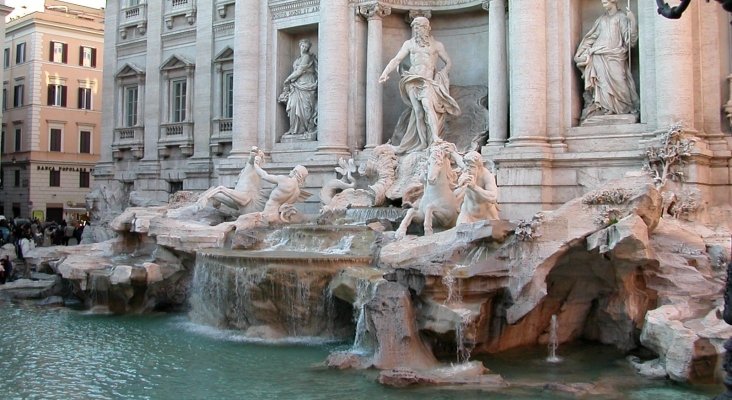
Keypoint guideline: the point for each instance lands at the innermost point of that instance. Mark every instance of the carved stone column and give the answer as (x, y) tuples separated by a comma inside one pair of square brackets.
[(246, 84), (333, 73), (528, 76), (674, 72), (497, 73), (373, 13)]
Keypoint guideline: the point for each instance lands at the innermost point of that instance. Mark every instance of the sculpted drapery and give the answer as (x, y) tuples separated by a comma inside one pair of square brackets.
[(602, 56)]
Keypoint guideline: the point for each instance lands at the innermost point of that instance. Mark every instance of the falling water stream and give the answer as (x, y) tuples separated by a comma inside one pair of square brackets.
[(553, 341)]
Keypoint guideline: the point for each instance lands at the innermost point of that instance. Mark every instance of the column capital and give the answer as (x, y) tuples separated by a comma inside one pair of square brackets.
[(375, 10), (417, 13)]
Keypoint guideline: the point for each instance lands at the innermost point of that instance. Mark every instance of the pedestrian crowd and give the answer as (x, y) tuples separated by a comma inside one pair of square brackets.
[(25, 235)]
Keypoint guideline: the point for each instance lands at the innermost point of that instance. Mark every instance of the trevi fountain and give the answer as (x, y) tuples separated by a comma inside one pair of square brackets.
[(412, 267)]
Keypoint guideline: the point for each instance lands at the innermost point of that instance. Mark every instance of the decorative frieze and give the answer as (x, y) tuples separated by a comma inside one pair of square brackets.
[(286, 9), (426, 4)]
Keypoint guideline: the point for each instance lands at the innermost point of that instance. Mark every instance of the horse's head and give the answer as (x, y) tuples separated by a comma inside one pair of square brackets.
[(435, 162)]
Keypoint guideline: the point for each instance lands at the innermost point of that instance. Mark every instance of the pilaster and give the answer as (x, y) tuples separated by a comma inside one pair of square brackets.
[(246, 84), (373, 13)]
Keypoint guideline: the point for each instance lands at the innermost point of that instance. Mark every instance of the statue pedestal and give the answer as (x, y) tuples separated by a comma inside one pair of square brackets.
[(615, 119), (303, 137)]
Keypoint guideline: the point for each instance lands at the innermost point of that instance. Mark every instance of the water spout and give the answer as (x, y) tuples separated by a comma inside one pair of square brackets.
[(553, 341)]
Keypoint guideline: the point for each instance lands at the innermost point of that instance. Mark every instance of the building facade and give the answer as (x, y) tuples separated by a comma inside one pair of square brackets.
[(52, 110), (195, 84), (4, 12)]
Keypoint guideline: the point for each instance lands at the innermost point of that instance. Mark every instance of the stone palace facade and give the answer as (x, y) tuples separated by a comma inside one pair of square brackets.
[(195, 84)]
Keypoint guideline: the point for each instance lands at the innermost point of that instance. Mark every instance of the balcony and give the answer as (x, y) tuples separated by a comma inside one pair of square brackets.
[(177, 8), (134, 16), (128, 138), (222, 129), (179, 134)]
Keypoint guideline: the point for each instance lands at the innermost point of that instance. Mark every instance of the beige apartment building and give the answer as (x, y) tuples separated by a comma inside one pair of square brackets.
[(52, 88)]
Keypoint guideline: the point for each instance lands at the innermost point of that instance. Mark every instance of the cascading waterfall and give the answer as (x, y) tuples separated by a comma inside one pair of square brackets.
[(264, 298), (463, 351), (342, 247), (365, 291), (452, 286), (553, 341)]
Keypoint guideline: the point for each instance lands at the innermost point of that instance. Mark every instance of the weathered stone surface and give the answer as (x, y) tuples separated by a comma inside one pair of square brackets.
[(424, 250), (392, 322), (31, 289), (471, 373)]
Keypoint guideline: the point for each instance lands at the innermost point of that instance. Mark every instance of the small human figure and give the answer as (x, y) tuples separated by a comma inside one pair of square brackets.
[(300, 93), (7, 267), (285, 193), (602, 56), (424, 90), (477, 190)]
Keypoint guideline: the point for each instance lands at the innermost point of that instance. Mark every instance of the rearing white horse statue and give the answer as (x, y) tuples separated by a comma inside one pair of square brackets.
[(438, 205)]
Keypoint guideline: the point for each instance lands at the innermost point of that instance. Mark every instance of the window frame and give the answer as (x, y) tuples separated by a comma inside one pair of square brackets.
[(54, 177), (227, 103), (84, 179), (59, 52), (20, 49), (178, 101), (18, 139), (88, 141), (6, 58), (92, 59), (85, 101), (57, 95), (18, 95), (55, 139), (130, 106)]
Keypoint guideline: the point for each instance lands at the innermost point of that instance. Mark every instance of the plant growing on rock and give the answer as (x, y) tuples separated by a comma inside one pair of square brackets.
[(526, 230), (616, 196), (666, 160), (609, 216)]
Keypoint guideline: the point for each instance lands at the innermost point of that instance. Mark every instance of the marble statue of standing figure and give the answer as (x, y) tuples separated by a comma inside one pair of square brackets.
[(423, 89), (477, 191), (602, 56), (300, 93), (286, 193)]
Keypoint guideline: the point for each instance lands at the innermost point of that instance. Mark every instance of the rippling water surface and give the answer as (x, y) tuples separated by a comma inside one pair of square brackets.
[(66, 354)]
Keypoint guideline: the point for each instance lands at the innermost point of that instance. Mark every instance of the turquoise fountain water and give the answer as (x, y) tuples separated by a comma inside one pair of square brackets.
[(66, 354)]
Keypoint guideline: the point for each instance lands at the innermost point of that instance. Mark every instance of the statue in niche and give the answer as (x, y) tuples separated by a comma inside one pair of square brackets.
[(424, 90), (477, 191), (603, 57), (300, 94), (287, 191)]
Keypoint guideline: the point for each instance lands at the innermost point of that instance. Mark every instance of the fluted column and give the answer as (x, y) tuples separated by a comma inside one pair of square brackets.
[(373, 13), (246, 82), (674, 71), (333, 73), (528, 75), (497, 73)]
